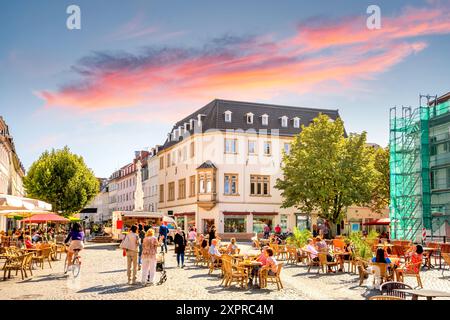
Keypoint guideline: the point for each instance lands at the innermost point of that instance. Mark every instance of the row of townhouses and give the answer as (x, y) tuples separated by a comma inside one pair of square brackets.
[(11, 170), (218, 166)]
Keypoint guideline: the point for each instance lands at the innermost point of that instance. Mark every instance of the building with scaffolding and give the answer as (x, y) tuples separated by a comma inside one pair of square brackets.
[(420, 169)]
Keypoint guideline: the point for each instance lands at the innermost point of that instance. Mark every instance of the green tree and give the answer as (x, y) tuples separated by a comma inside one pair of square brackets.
[(326, 171), (61, 178), (381, 187)]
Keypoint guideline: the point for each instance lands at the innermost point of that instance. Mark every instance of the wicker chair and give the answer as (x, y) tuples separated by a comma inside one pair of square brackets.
[(20, 263), (363, 273), (446, 257), (265, 277), (45, 254), (381, 271), (385, 298), (234, 274), (389, 289), (312, 262), (324, 262), (410, 270)]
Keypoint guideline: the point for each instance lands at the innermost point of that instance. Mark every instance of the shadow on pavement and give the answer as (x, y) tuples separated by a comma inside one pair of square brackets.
[(44, 278), (114, 271), (117, 288), (220, 289), (111, 247)]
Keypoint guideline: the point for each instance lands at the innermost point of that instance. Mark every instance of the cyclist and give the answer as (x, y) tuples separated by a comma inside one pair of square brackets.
[(77, 236)]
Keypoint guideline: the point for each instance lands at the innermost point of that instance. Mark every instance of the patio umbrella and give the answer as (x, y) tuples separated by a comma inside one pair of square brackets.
[(8, 202), (46, 217)]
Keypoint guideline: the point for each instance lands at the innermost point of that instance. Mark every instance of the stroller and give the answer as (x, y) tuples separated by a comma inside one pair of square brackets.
[(160, 267)]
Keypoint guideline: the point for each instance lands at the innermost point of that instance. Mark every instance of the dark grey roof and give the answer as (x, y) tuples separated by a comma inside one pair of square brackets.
[(207, 165), (214, 117)]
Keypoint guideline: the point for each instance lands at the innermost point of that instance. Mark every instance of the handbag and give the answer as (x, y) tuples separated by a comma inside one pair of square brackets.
[(124, 252), (125, 244)]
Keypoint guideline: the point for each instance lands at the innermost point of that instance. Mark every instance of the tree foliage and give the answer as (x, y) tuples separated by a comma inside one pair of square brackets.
[(381, 187), (326, 171), (61, 178)]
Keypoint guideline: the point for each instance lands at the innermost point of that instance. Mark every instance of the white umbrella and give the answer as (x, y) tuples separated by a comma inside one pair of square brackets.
[(8, 202)]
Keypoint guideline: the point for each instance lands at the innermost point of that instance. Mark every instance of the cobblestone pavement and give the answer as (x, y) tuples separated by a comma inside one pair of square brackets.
[(103, 276)]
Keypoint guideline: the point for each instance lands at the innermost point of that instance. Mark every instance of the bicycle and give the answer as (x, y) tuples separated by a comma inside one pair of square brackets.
[(76, 263)]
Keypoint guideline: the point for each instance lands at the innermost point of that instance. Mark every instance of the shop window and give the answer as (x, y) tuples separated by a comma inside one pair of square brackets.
[(260, 221), (235, 224)]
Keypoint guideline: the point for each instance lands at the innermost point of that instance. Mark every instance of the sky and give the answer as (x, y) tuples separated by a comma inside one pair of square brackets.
[(118, 84)]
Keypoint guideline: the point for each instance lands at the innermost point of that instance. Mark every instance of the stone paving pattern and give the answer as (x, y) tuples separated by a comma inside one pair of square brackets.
[(103, 276)]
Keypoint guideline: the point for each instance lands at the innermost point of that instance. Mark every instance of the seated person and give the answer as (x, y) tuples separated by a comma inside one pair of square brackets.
[(232, 247), (28, 243), (416, 255), (312, 250), (263, 259), (322, 247), (381, 257), (213, 251), (271, 263)]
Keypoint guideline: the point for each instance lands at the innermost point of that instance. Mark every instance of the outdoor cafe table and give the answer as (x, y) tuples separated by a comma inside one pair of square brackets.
[(340, 256), (250, 265), (429, 294), (428, 258)]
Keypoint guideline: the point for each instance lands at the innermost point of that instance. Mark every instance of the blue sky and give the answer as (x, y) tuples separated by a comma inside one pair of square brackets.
[(118, 84)]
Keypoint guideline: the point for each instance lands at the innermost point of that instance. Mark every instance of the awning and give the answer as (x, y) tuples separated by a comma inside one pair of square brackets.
[(8, 202), (235, 213), (48, 217), (378, 222), (180, 214)]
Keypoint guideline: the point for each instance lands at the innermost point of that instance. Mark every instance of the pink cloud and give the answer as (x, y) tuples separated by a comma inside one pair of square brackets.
[(114, 86)]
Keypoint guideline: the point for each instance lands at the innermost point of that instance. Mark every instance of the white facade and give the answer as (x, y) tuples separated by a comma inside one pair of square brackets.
[(11, 170), (150, 184)]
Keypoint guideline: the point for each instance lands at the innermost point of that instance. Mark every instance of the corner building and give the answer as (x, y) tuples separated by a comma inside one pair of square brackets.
[(220, 164)]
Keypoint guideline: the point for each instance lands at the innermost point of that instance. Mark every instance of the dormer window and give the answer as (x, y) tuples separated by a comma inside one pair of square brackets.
[(228, 116), (191, 123), (284, 121), (180, 131), (169, 137), (249, 118), (296, 122), (265, 120), (199, 118), (186, 126)]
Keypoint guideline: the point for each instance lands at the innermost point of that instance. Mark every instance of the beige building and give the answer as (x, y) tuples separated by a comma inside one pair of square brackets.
[(11, 170), (219, 167), (150, 169)]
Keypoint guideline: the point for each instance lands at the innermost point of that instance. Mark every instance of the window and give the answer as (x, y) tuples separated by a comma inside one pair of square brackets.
[(284, 121), (251, 147), (259, 185), (228, 116), (265, 119), (230, 184), (168, 160), (230, 145), (208, 184), (260, 221), (180, 155), (184, 153), (161, 193), (182, 189), (192, 186), (174, 160), (201, 183), (432, 180), (448, 177), (161, 163), (192, 151), (283, 222), (249, 118), (296, 122), (171, 195), (235, 224), (287, 148), (267, 148)]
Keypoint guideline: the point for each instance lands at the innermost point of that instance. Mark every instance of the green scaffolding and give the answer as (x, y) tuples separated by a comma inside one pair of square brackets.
[(410, 207)]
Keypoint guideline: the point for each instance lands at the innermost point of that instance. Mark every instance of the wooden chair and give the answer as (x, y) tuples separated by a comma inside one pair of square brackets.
[(45, 254), (324, 262), (410, 270), (60, 249), (312, 262), (234, 274), (282, 252), (380, 270), (446, 257), (389, 289), (20, 263), (385, 298), (225, 258), (292, 254), (198, 256), (362, 272), (266, 277)]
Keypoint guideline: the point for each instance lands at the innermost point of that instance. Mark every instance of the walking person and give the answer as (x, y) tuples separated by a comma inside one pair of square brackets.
[(131, 245), (164, 231), (180, 246), (141, 239), (149, 247), (212, 234)]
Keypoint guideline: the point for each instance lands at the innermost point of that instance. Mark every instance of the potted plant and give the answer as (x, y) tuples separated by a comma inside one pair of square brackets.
[(299, 238)]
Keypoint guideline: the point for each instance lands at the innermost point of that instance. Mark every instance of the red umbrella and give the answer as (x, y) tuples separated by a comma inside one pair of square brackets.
[(378, 222), (47, 217)]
